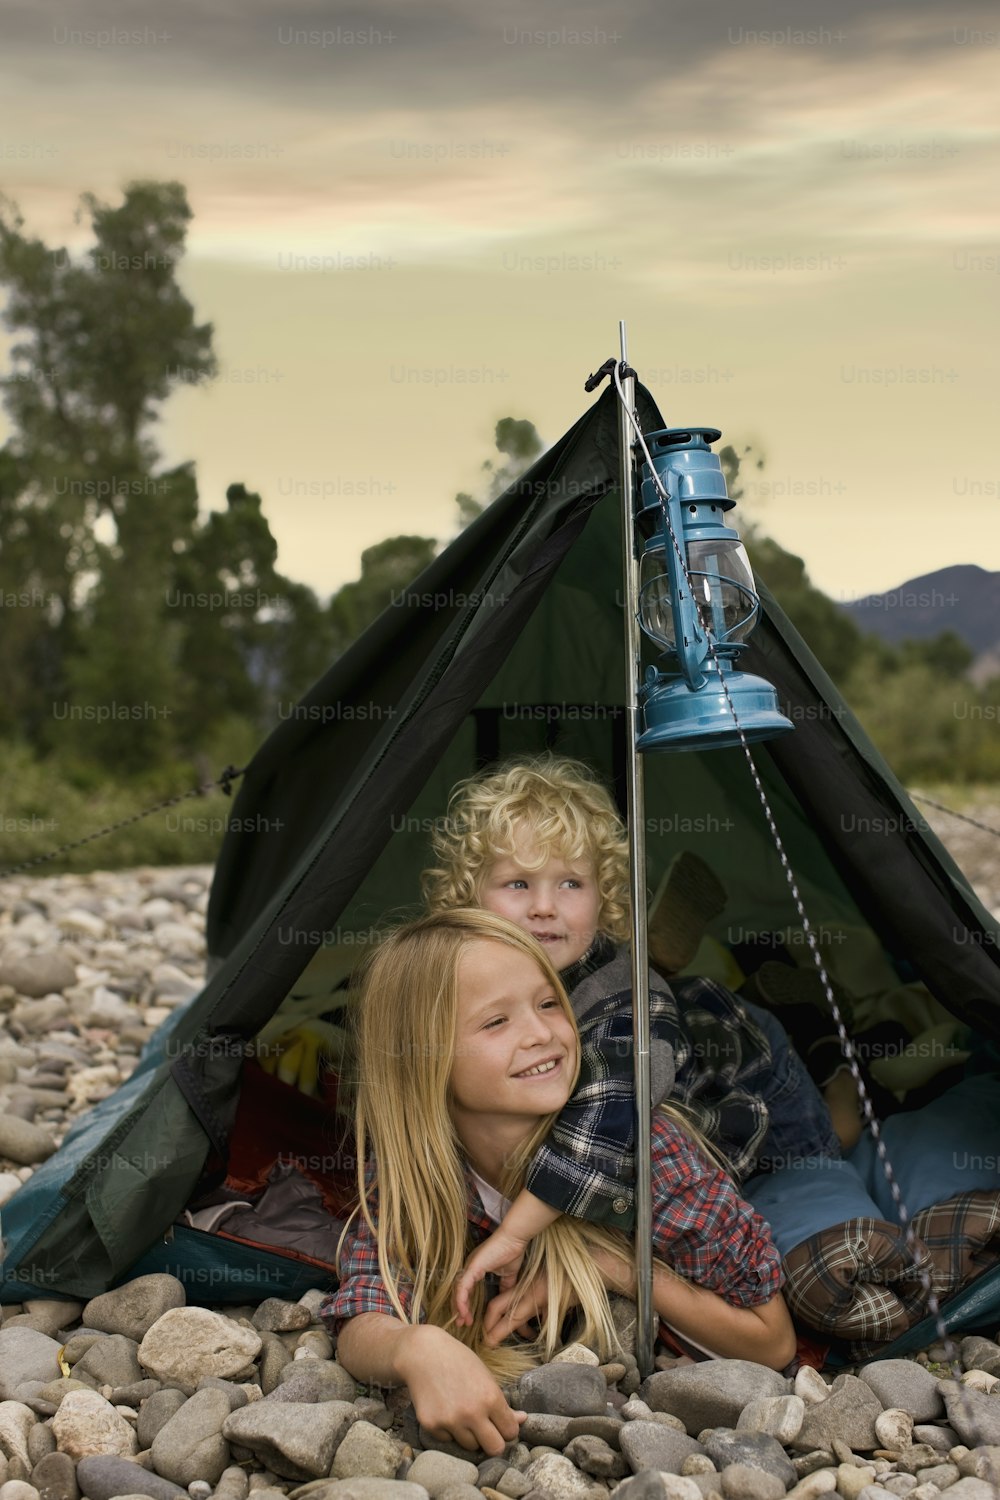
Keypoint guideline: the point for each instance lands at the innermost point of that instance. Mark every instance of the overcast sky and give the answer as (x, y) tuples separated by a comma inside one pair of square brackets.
[(411, 221)]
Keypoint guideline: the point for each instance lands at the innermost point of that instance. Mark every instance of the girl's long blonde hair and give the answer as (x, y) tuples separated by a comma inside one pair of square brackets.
[(406, 1018)]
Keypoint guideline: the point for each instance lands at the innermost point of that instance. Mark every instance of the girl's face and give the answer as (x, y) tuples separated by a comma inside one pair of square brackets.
[(515, 1045), (558, 903)]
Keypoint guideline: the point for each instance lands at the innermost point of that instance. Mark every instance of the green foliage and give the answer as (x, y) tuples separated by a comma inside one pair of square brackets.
[(520, 441), (52, 800), (386, 569), (929, 724), (129, 651), (830, 633)]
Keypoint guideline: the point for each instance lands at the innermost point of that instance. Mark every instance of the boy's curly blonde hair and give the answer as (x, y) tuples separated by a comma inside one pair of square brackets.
[(565, 811)]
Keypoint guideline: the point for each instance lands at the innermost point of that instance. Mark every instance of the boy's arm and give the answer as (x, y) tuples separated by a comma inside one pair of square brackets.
[(504, 1250), (761, 1333), (585, 1166)]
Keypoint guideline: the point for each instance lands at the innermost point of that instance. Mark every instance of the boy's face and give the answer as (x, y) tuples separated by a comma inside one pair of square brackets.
[(558, 903)]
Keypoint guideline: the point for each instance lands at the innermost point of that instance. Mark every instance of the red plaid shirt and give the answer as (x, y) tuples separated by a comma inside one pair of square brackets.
[(701, 1227)]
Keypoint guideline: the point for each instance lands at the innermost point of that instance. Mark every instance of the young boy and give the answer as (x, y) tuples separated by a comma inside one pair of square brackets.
[(540, 842)]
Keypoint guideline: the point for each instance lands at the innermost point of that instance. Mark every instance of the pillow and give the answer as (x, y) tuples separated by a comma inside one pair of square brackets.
[(950, 1146), (808, 1196)]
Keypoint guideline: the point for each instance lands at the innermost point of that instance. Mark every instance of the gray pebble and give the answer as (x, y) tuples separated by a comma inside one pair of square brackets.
[(235, 1394), (557, 1478), (296, 1440), (608, 1428), (648, 1445), (54, 1477), (275, 1316), (513, 1484), (568, 1390), (233, 1485), (102, 1477), (156, 1412), (273, 1359), (904, 1384), (365, 1451), (848, 1414), (132, 1308), (111, 1360), (547, 1428), (135, 1394), (41, 1442), (26, 1355), (712, 1394), (975, 1417), (439, 1472), (592, 1455), (755, 1449), (313, 1380), (739, 1482), (939, 1437), (190, 1446), (491, 1472)]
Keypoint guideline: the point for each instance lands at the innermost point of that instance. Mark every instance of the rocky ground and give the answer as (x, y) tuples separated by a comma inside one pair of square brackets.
[(137, 1394)]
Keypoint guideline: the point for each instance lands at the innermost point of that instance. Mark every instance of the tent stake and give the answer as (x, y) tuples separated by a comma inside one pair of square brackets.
[(645, 1325)]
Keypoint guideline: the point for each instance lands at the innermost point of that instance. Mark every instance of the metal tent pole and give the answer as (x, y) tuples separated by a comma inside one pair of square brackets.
[(645, 1329)]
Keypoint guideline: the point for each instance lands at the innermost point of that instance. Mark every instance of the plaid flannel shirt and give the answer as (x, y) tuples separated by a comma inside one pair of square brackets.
[(722, 1070), (701, 1227)]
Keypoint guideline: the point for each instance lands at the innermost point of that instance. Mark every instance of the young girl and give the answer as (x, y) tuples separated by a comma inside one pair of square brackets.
[(468, 1049), (540, 842)]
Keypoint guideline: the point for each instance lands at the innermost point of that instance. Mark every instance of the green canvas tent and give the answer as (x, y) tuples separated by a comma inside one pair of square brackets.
[(510, 641)]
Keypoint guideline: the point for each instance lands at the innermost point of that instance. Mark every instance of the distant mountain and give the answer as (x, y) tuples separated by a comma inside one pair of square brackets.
[(964, 598)]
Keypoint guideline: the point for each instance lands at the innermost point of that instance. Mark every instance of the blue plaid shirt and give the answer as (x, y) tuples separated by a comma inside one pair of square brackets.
[(723, 1067)]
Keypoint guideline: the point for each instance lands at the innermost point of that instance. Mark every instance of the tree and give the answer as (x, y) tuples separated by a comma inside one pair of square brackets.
[(251, 637), (386, 570), (100, 342), (519, 440), (105, 338)]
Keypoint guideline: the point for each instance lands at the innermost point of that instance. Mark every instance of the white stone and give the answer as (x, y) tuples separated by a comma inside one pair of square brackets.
[(177, 937), (86, 1425), (894, 1428), (779, 1417), (106, 1008), (165, 977), (851, 1480), (155, 1015), (575, 1354), (819, 1483), (810, 1385), (9, 1184), (157, 910), (88, 1085), (188, 1343), (83, 922), (16, 1421)]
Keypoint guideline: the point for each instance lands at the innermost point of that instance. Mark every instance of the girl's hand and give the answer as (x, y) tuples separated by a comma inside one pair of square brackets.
[(454, 1395), (513, 1311), (502, 1253)]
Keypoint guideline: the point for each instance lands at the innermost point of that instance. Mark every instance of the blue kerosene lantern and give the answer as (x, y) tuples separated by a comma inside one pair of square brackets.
[(695, 701)]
